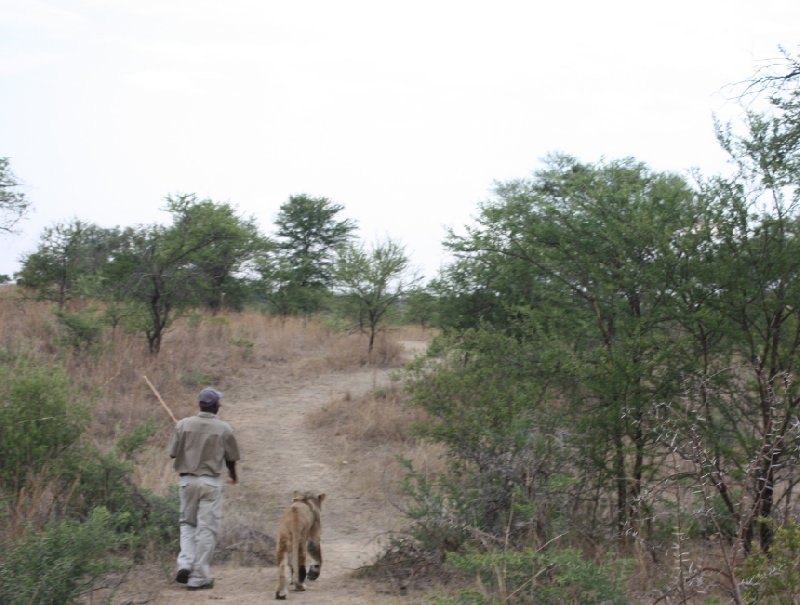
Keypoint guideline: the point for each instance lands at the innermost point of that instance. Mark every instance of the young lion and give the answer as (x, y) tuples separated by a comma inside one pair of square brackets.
[(298, 536)]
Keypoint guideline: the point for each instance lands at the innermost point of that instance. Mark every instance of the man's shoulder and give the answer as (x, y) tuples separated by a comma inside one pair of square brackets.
[(205, 419), (227, 426), (214, 419)]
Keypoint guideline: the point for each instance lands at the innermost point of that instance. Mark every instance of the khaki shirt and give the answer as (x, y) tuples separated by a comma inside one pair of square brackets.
[(202, 444)]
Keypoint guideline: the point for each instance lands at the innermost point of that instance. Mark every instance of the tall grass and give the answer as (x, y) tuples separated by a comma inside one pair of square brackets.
[(199, 349)]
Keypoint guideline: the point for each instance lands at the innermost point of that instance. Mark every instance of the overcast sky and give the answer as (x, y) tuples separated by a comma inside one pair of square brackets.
[(405, 113)]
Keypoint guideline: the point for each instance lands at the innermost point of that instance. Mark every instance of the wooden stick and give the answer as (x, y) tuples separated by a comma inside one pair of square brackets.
[(169, 411)]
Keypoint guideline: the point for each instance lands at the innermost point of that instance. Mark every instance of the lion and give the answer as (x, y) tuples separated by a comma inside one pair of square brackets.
[(298, 537)]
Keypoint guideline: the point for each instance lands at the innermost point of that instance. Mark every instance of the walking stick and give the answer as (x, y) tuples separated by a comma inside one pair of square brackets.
[(169, 411)]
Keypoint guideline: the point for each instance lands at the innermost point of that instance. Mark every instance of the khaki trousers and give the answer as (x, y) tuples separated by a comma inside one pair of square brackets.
[(201, 500)]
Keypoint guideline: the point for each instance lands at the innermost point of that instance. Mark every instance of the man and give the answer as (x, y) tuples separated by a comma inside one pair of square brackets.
[(202, 446)]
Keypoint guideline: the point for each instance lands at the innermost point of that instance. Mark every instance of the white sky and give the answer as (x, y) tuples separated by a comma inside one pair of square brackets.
[(405, 112)]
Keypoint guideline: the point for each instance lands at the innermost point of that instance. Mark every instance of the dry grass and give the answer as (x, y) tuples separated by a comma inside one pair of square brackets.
[(198, 350), (370, 433)]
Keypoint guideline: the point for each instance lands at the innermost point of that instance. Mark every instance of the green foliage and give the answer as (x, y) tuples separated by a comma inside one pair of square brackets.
[(245, 345), (41, 424), (774, 577), (421, 307), (60, 563), (437, 509), (81, 330), (297, 270), (104, 479), (156, 272), (13, 204), (41, 420), (196, 377), (129, 444), (68, 261), (484, 397), (373, 282), (232, 242), (528, 577), (657, 316)]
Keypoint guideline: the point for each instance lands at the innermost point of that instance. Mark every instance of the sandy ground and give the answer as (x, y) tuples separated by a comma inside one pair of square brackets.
[(281, 454)]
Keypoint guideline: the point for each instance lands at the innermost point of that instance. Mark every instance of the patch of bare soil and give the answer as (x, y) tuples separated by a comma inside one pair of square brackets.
[(280, 455)]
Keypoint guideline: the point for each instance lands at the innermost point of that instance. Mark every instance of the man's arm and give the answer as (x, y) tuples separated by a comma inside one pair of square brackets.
[(231, 464)]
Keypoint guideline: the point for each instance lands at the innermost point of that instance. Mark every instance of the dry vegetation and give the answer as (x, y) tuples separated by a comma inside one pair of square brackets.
[(202, 349), (371, 432)]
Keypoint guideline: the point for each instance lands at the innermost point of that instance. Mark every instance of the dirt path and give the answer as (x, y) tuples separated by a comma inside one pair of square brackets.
[(280, 454)]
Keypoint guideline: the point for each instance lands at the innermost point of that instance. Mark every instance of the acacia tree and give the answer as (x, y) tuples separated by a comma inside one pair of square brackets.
[(373, 280), (738, 419), (232, 243), (163, 270), (308, 234), (583, 254), (67, 255), (13, 204), (741, 310)]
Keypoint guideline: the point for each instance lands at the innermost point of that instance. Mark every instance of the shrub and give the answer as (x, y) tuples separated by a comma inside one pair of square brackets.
[(103, 479), (437, 510), (529, 577), (40, 419), (57, 565), (484, 404), (774, 577), (81, 330)]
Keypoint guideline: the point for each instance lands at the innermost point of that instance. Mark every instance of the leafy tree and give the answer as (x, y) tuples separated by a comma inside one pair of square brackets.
[(422, 307), (741, 268), (13, 204), (276, 273), (308, 234), (583, 253), (67, 254), (233, 242), (159, 271), (154, 273), (373, 280)]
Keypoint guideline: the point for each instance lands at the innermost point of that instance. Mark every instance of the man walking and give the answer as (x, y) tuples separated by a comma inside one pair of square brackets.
[(203, 446)]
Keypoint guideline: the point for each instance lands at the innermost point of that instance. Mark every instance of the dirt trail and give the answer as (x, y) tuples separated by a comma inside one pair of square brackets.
[(280, 454)]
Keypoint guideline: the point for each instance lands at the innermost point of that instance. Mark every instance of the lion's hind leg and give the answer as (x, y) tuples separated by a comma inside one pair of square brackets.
[(315, 553), (281, 551)]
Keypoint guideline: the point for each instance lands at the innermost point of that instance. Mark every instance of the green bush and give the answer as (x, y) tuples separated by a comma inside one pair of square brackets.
[(103, 479), (550, 577), (58, 564), (437, 510), (774, 577), (483, 393), (81, 330), (41, 419), (149, 521)]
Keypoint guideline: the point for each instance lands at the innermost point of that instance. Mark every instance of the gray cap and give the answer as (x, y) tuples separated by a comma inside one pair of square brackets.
[(209, 396)]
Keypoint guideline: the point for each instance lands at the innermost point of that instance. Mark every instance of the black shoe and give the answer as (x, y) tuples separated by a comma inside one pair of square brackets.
[(205, 586), (183, 576)]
